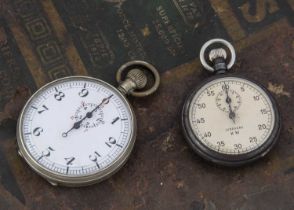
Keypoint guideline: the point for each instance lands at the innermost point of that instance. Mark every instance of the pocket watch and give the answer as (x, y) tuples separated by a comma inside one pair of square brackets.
[(229, 119), (79, 130)]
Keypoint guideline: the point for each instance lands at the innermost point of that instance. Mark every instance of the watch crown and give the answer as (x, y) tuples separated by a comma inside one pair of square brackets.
[(138, 77), (217, 53), (135, 79)]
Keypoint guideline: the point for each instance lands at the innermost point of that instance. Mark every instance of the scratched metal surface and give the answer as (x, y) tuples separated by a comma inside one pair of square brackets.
[(47, 39)]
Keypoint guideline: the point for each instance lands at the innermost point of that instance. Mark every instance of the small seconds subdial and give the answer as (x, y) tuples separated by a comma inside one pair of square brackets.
[(98, 116), (227, 96), (231, 128), (54, 121)]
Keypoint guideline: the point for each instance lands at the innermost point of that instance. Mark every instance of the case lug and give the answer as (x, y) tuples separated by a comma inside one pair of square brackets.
[(19, 153), (54, 184)]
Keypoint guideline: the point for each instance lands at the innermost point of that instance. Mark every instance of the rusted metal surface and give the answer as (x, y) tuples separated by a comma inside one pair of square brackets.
[(48, 39)]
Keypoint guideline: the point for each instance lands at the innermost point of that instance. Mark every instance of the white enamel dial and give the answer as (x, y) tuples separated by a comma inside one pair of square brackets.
[(231, 115), (76, 127)]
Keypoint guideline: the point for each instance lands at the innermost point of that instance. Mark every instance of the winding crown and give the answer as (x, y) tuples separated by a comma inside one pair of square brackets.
[(217, 53), (138, 77)]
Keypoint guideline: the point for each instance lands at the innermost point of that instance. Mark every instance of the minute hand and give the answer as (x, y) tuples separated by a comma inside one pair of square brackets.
[(104, 101), (232, 114)]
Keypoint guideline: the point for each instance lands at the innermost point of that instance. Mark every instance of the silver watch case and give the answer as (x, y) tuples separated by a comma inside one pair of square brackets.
[(58, 179)]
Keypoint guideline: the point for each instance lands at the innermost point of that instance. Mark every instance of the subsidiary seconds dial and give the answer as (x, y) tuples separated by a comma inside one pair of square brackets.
[(83, 109), (76, 127)]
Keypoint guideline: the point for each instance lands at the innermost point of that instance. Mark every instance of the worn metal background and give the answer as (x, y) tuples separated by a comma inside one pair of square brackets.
[(47, 39)]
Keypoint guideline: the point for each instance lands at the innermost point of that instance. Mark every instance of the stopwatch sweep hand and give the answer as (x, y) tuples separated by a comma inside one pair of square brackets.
[(232, 114), (77, 124)]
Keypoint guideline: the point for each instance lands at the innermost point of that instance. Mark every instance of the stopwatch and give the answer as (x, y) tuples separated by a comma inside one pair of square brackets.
[(229, 119), (80, 130)]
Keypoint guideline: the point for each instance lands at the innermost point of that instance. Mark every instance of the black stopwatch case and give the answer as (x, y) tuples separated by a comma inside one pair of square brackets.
[(226, 159)]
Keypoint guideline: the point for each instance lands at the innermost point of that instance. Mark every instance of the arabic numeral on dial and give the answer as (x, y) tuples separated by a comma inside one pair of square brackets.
[(46, 153), (59, 96), (200, 120), (263, 111), (43, 109), (83, 93), (87, 124), (237, 146), (111, 141), (253, 139), (210, 93), (242, 89), (37, 131), (220, 143), (201, 106), (262, 126), (70, 160), (207, 134), (94, 158), (256, 98), (225, 87)]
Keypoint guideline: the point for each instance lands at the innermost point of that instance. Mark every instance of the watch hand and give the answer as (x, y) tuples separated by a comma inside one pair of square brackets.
[(77, 124), (104, 101), (232, 114)]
